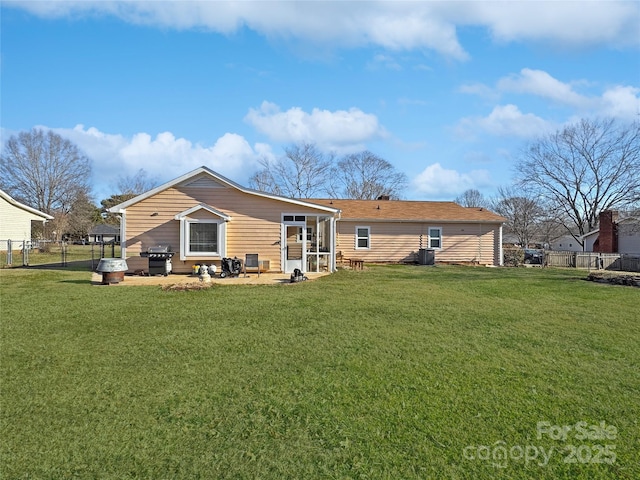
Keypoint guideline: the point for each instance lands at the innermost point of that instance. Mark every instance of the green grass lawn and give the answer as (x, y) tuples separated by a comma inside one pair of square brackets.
[(397, 372)]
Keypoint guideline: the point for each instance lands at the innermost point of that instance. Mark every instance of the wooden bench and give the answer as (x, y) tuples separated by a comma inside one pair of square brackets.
[(356, 263)]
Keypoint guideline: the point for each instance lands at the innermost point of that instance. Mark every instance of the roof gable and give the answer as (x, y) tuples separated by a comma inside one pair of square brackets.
[(24, 207), (630, 220), (202, 181), (202, 206), (206, 178), (104, 229)]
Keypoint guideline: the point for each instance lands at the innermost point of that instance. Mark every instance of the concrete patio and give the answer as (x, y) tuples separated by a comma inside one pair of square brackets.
[(172, 279)]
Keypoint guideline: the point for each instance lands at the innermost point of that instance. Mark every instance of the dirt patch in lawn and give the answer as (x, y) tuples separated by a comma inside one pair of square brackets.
[(618, 278)]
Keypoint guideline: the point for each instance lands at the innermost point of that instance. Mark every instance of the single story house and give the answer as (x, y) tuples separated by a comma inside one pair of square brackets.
[(104, 233), (387, 230), (16, 219), (614, 235), (205, 217)]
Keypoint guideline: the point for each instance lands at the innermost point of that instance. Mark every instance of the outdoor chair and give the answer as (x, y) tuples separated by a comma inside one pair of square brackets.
[(251, 261)]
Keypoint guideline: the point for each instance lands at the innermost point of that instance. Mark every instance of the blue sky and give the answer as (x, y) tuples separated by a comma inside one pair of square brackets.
[(448, 92)]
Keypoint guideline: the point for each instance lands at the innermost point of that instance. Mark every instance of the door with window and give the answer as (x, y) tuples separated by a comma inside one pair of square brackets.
[(293, 251)]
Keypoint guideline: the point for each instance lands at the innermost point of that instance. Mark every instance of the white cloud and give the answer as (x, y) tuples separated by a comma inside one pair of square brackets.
[(504, 120), (388, 24), (479, 89), (620, 102), (410, 25), (540, 83), (386, 62), (436, 181), (392, 25), (165, 156), (617, 101), (335, 130), (577, 24)]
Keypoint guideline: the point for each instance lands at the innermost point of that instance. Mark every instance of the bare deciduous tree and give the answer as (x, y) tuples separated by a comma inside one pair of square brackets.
[(472, 198), (550, 228), (112, 201), (365, 176), (136, 184), (128, 187), (523, 213), (302, 173), (305, 172), (583, 169), (83, 215), (44, 170)]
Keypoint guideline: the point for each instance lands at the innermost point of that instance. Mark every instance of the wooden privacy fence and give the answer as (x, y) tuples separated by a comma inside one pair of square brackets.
[(593, 261)]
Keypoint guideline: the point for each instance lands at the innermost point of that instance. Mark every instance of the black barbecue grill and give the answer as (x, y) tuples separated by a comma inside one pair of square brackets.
[(159, 259)]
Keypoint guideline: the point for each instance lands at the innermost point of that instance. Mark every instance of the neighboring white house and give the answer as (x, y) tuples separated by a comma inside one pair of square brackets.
[(104, 233), (589, 239), (566, 243), (614, 236), (15, 220), (629, 235)]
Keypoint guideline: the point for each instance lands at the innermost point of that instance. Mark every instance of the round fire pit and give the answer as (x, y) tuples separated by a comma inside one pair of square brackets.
[(112, 270)]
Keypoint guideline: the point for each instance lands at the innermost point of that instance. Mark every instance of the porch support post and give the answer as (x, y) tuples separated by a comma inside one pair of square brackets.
[(333, 243), (123, 237)]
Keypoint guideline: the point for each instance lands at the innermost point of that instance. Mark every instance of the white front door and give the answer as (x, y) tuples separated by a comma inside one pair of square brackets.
[(293, 248)]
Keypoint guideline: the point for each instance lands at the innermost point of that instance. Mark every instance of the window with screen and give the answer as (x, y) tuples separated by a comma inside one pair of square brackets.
[(435, 237), (203, 237), (363, 239)]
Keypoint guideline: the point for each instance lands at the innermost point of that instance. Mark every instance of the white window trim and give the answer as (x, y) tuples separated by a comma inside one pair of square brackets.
[(309, 234), (356, 237), (294, 221), (185, 253), (429, 237)]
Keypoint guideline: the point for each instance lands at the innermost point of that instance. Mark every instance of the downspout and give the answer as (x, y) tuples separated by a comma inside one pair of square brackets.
[(123, 238), (480, 244), (282, 242), (501, 259), (334, 240), (183, 241)]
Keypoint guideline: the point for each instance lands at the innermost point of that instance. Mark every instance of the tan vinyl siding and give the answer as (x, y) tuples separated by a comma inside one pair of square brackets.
[(255, 225), (400, 242), (469, 243), (389, 242)]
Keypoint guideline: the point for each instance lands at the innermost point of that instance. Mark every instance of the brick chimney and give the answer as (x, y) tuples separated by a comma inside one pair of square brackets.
[(607, 241)]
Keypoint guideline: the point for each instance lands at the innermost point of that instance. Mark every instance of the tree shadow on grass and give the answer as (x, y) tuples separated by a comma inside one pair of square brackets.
[(74, 266)]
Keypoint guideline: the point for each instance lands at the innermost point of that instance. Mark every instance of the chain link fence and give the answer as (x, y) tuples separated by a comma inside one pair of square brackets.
[(26, 253)]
